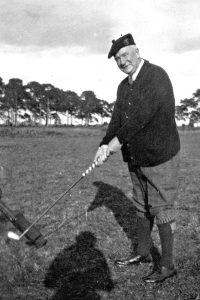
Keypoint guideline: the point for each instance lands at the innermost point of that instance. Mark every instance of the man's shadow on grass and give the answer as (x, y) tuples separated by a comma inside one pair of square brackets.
[(124, 212), (121, 206), (79, 271)]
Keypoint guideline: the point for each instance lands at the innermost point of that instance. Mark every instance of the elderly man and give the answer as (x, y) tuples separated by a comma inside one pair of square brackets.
[(143, 127)]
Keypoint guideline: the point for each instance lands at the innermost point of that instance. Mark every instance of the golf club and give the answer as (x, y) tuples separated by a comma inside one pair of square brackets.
[(15, 236), (20, 222)]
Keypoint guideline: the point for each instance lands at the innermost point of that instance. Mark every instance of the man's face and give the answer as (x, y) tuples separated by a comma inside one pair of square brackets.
[(128, 59)]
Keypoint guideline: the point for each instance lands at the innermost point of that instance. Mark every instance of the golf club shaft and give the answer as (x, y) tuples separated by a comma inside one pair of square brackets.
[(56, 201)]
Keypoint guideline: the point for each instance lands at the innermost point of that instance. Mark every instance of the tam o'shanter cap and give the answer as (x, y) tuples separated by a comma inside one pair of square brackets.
[(123, 41)]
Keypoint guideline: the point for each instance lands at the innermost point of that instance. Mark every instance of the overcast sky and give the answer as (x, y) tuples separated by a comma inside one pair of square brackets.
[(66, 42)]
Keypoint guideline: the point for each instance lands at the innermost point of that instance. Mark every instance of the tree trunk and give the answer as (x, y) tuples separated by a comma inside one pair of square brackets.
[(40, 112), (47, 113), (67, 117), (15, 113), (191, 124)]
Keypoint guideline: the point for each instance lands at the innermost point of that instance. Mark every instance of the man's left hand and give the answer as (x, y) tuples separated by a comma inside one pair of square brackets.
[(114, 146)]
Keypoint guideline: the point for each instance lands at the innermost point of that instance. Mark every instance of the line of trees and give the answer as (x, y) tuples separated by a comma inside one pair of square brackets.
[(35, 102), (189, 110)]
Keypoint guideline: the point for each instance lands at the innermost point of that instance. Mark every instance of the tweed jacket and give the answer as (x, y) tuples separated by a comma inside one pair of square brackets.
[(143, 118)]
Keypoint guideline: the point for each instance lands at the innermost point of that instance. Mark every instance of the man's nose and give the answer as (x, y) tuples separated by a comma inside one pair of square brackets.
[(123, 61)]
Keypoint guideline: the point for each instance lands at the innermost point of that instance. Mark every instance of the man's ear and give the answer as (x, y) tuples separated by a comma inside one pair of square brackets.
[(137, 52)]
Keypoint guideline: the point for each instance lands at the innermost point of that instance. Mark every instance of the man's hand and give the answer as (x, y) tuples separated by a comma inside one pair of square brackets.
[(105, 150), (101, 155), (113, 146)]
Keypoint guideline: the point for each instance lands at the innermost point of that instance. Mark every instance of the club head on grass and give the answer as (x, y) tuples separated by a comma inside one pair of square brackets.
[(13, 236)]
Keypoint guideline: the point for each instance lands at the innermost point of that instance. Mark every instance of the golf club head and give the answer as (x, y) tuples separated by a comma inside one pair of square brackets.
[(33, 235), (13, 236)]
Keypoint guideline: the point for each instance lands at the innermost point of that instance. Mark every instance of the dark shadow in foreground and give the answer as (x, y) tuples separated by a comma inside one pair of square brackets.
[(121, 206), (124, 212), (79, 271)]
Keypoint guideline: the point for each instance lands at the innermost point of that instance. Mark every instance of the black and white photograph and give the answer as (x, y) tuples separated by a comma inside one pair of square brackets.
[(99, 150)]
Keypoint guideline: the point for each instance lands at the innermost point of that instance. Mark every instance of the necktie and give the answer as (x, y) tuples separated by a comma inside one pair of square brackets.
[(130, 80)]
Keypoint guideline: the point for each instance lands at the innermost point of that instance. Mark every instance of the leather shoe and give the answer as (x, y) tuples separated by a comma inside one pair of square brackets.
[(153, 270), (160, 275), (134, 260)]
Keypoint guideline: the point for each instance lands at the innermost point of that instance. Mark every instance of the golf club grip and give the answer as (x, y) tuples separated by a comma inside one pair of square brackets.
[(95, 163)]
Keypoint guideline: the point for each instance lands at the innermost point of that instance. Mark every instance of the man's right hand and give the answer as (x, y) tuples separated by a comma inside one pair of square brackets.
[(101, 155)]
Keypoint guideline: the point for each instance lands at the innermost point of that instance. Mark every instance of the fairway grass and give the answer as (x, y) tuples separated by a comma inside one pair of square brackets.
[(39, 165)]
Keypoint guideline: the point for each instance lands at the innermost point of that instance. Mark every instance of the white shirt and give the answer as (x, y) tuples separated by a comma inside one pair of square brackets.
[(138, 70)]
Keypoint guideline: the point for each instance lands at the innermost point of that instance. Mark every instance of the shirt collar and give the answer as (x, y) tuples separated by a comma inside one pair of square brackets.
[(138, 70)]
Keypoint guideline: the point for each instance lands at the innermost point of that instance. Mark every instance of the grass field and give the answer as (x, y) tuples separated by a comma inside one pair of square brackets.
[(39, 165)]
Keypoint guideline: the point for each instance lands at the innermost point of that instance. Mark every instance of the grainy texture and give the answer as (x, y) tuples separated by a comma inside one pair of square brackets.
[(39, 165)]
